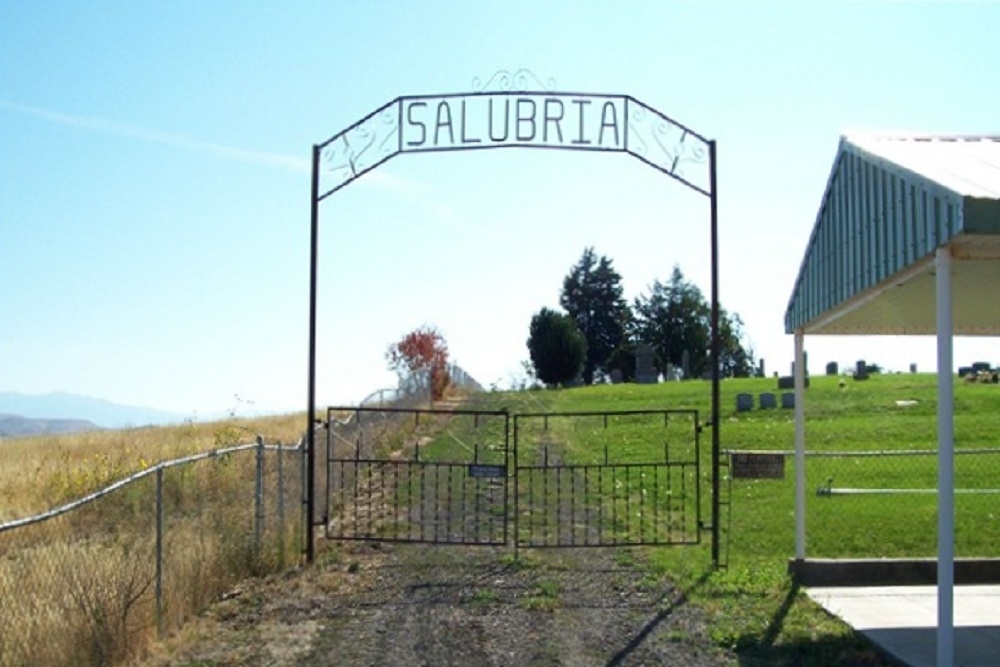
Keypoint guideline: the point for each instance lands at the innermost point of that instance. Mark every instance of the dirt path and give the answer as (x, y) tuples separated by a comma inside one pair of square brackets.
[(406, 605), (410, 605)]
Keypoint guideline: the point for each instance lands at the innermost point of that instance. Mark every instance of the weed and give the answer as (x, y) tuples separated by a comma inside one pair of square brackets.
[(548, 589), (544, 597), (677, 636), (518, 562), (330, 556), (485, 596), (626, 558)]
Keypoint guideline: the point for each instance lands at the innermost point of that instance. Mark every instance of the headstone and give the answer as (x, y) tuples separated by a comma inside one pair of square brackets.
[(832, 368), (805, 363), (616, 376), (964, 370), (787, 400), (744, 402), (767, 401), (788, 382), (761, 373), (913, 368), (861, 370), (686, 364), (981, 366), (645, 369)]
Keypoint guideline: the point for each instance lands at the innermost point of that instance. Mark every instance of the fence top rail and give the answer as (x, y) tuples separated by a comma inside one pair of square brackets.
[(863, 453), (418, 411), (152, 470), (610, 465), (607, 413)]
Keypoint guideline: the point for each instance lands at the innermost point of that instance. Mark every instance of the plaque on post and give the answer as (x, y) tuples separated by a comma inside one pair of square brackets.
[(757, 465)]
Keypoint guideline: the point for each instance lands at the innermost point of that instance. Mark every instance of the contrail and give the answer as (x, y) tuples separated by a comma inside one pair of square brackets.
[(383, 180), (298, 165)]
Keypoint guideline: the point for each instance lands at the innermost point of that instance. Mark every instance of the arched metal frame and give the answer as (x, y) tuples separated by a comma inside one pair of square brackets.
[(541, 119)]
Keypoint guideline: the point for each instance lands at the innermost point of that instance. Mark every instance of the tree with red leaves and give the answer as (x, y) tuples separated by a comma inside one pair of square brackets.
[(421, 352)]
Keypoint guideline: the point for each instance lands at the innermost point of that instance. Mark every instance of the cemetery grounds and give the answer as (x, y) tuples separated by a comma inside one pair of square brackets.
[(396, 604), (405, 604)]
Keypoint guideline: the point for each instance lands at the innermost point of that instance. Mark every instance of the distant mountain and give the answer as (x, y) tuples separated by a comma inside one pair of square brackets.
[(13, 426), (64, 406)]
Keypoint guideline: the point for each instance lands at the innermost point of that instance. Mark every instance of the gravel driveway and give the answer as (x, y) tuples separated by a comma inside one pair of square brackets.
[(406, 605)]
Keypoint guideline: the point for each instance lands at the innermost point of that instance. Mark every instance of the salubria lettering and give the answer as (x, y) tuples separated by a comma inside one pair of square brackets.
[(476, 121)]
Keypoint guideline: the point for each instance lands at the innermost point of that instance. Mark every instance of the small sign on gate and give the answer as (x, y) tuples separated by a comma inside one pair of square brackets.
[(487, 471), (757, 465)]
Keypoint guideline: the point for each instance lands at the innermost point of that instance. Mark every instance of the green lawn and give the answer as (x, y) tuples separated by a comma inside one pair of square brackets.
[(861, 417), (754, 605)]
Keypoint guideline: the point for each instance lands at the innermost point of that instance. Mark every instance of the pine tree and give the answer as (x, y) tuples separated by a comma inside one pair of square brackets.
[(675, 318), (592, 296), (556, 347)]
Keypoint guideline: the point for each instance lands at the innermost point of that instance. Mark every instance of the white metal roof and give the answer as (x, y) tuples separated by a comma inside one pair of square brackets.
[(968, 166), (890, 201)]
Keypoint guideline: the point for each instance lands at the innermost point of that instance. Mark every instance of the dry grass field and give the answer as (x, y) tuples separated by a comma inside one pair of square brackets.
[(81, 588), (41, 472)]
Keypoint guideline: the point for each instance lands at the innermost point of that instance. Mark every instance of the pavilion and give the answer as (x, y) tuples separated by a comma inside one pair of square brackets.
[(906, 242)]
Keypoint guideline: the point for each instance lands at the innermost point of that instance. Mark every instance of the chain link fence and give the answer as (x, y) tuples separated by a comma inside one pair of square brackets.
[(94, 581), (867, 504), (884, 503), (413, 391)]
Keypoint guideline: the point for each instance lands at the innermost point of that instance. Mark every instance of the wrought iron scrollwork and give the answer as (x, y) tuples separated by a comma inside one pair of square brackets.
[(518, 81), (361, 147), (665, 144)]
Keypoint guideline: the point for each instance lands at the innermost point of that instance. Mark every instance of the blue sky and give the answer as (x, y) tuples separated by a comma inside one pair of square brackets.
[(154, 178)]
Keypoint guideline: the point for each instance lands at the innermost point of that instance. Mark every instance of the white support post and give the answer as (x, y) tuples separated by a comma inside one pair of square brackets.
[(946, 463), (800, 446)]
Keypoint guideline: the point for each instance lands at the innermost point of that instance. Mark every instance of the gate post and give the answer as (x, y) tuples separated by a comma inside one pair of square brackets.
[(311, 417), (517, 493), (716, 357)]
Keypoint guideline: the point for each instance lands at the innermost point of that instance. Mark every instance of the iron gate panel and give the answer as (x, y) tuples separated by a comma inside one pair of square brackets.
[(607, 478), (417, 475)]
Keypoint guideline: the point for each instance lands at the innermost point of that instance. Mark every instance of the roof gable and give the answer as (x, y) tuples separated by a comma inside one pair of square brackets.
[(890, 201)]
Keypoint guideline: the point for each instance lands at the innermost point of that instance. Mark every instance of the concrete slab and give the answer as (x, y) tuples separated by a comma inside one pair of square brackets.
[(902, 620)]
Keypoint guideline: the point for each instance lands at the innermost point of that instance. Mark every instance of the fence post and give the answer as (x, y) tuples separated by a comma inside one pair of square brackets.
[(281, 507), (159, 551), (306, 520), (258, 523)]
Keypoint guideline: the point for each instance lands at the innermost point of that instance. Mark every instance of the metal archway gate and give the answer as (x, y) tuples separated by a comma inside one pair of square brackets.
[(512, 110), (535, 480)]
